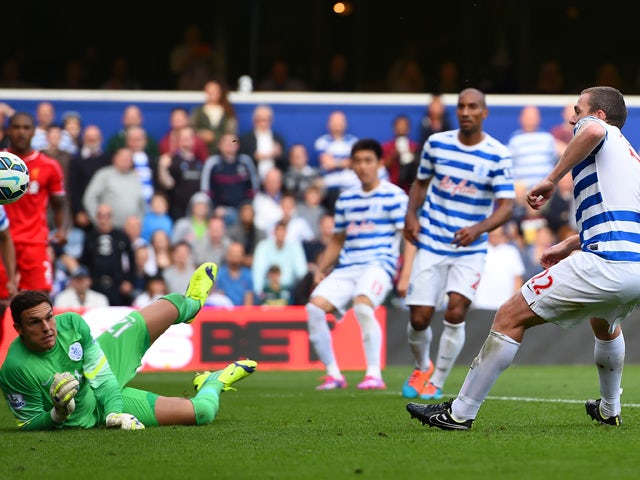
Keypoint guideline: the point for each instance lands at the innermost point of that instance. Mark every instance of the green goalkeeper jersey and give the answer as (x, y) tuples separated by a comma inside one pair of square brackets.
[(25, 378)]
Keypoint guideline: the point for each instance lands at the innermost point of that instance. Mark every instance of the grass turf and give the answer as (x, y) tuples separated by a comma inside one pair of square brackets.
[(276, 426)]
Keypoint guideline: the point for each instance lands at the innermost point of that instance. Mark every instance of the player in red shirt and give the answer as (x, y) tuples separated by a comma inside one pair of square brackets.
[(28, 216)]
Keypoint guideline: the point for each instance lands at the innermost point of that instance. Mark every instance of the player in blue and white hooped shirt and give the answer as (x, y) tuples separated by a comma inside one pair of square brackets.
[(592, 275), (463, 189), (364, 254)]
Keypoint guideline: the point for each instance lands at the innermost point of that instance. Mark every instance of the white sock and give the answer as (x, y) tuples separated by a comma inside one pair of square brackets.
[(609, 359), (371, 337), (320, 338), (420, 344), (496, 354), (451, 343)]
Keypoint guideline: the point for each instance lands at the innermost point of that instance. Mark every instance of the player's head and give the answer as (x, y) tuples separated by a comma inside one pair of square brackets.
[(21, 129), (366, 155), (471, 111), (607, 100), (33, 319)]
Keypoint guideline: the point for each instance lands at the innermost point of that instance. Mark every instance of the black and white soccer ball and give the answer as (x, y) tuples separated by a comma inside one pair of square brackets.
[(14, 178)]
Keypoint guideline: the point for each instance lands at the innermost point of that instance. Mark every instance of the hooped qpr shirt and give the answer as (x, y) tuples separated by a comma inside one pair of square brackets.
[(607, 194), (466, 182)]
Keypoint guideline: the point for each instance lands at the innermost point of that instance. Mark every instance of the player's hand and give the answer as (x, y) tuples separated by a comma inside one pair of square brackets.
[(62, 392), (540, 193), (124, 421)]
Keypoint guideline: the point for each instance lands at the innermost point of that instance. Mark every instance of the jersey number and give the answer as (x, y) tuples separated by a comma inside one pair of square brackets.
[(541, 282)]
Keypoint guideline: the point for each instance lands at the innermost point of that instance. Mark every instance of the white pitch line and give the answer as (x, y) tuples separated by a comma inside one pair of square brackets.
[(549, 400)]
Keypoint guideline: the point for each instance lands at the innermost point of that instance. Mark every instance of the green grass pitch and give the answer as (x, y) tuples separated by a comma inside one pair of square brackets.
[(276, 426)]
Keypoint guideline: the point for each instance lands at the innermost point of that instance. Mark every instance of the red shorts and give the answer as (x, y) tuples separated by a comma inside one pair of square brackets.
[(34, 267)]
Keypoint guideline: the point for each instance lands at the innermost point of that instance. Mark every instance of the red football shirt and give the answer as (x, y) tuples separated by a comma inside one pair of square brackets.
[(28, 216)]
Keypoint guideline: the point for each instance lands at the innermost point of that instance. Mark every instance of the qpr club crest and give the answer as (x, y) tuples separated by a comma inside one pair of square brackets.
[(75, 351)]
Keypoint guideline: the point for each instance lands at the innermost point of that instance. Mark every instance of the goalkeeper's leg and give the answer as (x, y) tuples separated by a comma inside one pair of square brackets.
[(153, 410), (180, 308)]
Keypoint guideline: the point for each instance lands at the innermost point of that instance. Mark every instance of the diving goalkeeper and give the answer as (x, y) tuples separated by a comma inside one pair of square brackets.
[(56, 375)]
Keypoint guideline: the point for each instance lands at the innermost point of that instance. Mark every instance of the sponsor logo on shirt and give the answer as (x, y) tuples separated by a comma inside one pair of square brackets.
[(16, 401)]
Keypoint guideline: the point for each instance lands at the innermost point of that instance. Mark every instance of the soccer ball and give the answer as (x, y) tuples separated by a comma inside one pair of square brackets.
[(14, 178)]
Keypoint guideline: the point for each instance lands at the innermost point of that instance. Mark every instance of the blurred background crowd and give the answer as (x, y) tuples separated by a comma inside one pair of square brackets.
[(147, 210)]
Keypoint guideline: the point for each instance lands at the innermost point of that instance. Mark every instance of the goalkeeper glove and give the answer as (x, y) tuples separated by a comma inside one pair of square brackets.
[(63, 388), (124, 421)]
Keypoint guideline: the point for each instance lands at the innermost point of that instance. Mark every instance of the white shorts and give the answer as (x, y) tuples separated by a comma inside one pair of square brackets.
[(342, 285), (584, 286), (433, 276)]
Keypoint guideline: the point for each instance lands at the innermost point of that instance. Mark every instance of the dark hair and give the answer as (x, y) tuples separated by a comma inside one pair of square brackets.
[(610, 101), (367, 144), (25, 300), (26, 115)]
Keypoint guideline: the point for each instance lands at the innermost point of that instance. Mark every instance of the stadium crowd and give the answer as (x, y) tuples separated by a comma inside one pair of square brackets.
[(144, 211)]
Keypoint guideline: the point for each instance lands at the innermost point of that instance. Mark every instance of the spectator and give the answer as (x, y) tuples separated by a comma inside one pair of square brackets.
[(279, 80), (120, 76), (560, 210), (266, 202), (298, 228), (216, 116), (299, 174), (155, 288), (213, 246), (182, 266), (5, 112), (192, 227), (533, 150), (311, 208), (79, 293), (194, 60), (229, 178), (157, 217), (503, 272), (131, 117), (274, 293), (117, 185), (338, 77), (161, 245), (563, 132), (333, 150), (264, 145), (82, 167), (399, 154), (234, 277), (180, 173), (448, 78), (72, 124), (170, 142), (54, 150), (245, 232), (108, 255), (45, 117), (288, 255), (144, 164), (435, 120)]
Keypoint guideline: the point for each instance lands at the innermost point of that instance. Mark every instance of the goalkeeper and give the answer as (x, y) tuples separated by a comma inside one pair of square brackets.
[(56, 375)]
